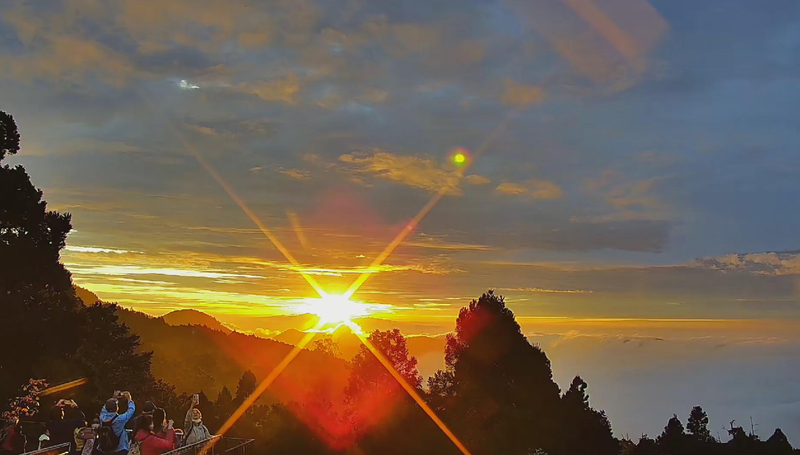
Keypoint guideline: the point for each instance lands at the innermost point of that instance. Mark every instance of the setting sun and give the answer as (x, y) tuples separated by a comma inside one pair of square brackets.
[(338, 309)]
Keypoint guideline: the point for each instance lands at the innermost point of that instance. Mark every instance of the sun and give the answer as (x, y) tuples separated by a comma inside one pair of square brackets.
[(334, 310)]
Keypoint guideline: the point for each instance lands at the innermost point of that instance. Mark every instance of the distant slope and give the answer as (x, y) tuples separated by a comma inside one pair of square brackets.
[(86, 295), (195, 358), (429, 350), (194, 317)]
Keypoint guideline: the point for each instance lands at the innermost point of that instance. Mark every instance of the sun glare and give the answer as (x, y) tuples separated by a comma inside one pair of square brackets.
[(336, 309)]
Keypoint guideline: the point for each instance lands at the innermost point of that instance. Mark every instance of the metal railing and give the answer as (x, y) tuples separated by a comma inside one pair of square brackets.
[(216, 445), (235, 446), (59, 449)]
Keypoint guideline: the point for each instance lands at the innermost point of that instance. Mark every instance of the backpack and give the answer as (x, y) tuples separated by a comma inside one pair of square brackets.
[(109, 441)]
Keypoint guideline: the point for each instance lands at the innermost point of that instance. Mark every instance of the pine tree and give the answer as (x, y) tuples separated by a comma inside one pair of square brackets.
[(247, 385), (697, 425), (505, 399)]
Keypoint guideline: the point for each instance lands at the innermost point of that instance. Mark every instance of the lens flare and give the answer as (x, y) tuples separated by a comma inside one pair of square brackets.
[(459, 156), (338, 309)]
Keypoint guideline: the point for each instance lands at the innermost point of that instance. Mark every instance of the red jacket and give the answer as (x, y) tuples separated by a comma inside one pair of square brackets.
[(151, 444)]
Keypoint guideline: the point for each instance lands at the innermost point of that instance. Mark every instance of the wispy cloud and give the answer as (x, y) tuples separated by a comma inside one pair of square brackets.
[(413, 171), (535, 189), (94, 249)]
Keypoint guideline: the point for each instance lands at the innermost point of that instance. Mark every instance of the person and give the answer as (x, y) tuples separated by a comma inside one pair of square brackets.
[(160, 422), (12, 440), (148, 409), (148, 441), (85, 437), (193, 428), (63, 430), (110, 417)]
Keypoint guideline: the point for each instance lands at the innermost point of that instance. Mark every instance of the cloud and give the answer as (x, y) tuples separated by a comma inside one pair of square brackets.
[(536, 189), (136, 270), (297, 174), (547, 291), (94, 249), (521, 95), (629, 200), (511, 189), (768, 263), (476, 179), (283, 90), (413, 171)]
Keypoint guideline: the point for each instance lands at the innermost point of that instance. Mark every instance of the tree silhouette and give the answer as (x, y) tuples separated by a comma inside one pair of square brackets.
[(584, 429), (380, 412), (697, 425), (247, 385), (368, 373), (504, 399), (55, 335), (224, 403), (327, 346), (778, 444), (673, 439), (9, 135)]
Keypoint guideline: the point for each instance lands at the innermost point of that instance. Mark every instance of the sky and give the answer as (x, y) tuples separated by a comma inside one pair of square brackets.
[(632, 168)]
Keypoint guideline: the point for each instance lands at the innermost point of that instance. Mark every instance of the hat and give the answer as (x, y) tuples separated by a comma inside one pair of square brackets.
[(149, 407)]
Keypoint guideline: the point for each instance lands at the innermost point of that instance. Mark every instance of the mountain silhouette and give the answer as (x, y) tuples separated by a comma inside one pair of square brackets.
[(194, 317), (195, 358)]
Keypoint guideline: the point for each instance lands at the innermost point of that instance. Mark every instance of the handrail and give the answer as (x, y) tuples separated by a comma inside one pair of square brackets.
[(195, 447), (58, 449), (215, 445)]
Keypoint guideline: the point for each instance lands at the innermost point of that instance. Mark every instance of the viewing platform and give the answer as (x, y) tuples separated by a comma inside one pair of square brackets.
[(216, 445)]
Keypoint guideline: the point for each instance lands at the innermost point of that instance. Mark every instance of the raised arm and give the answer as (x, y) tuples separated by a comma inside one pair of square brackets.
[(131, 408), (187, 423)]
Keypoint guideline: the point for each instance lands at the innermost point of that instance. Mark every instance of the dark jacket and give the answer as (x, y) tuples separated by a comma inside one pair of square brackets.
[(63, 430)]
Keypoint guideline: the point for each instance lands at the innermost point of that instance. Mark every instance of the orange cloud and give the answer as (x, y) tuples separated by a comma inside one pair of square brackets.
[(416, 172), (476, 179), (283, 90), (536, 189), (297, 174)]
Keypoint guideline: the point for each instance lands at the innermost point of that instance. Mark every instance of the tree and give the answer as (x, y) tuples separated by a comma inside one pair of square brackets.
[(778, 444), (247, 385), (697, 425), (9, 135), (327, 346), (583, 429), (673, 439), (369, 375), (380, 413), (504, 397), (55, 335), (224, 403), (40, 310)]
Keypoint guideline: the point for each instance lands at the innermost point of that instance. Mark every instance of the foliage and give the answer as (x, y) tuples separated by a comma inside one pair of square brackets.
[(502, 387), (584, 429), (26, 405), (54, 334), (327, 346), (697, 425), (9, 135), (247, 385)]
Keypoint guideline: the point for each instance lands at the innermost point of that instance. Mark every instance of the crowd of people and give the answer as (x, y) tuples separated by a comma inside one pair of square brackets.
[(117, 430)]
